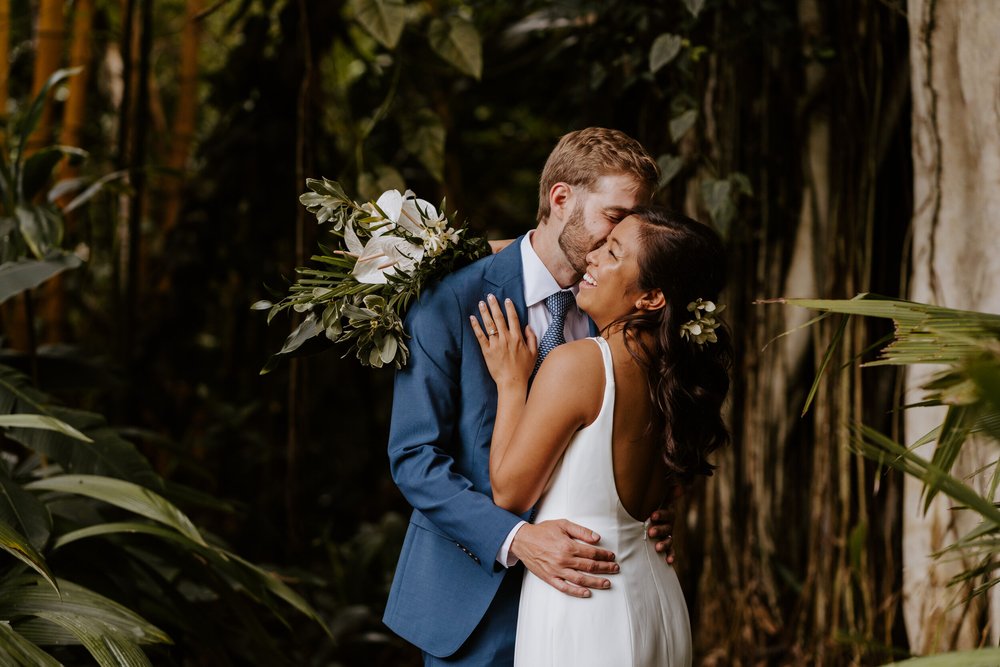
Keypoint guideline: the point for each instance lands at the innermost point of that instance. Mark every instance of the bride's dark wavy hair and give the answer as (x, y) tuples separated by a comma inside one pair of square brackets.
[(688, 383)]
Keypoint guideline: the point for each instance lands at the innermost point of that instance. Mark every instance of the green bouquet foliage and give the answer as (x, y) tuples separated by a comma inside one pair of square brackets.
[(383, 253)]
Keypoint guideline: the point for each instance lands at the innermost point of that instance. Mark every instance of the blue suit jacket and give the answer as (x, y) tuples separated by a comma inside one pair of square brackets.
[(444, 406)]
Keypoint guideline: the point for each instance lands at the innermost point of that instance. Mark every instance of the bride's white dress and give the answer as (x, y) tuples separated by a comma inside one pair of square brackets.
[(642, 620)]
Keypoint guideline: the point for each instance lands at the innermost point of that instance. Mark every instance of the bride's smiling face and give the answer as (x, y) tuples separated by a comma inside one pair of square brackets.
[(610, 287)]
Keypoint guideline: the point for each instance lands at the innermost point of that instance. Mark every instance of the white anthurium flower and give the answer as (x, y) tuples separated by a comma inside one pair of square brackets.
[(391, 203), (384, 254), (416, 213), (351, 240)]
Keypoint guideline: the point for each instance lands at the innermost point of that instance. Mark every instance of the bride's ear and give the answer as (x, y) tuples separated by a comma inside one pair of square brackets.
[(651, 300)]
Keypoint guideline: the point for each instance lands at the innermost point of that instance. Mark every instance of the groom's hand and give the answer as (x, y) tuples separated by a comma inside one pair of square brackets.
[(552, 550)]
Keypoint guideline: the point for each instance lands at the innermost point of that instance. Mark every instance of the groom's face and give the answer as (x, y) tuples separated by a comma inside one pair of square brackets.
[(594, 213)]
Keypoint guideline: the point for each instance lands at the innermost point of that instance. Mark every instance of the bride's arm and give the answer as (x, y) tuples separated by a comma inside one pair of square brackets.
[(531, 432)]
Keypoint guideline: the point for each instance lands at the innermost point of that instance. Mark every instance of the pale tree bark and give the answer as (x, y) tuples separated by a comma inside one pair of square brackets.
[(956, 263)]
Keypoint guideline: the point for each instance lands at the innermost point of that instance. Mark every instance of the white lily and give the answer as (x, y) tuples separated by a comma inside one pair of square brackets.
[(384, 254)]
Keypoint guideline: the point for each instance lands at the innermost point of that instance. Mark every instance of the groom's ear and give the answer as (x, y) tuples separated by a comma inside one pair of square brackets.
[(560, 195), (651, 300)]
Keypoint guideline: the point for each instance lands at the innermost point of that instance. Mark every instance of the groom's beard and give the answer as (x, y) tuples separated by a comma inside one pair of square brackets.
[(574, 243)]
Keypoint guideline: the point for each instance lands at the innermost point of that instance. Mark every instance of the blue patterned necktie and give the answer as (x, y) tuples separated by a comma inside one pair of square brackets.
[(558, 304)]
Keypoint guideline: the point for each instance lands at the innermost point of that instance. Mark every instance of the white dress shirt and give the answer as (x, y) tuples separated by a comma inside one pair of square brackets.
[(538, 286)]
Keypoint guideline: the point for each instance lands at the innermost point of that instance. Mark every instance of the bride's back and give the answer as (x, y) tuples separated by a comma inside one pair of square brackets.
[(639, 471)]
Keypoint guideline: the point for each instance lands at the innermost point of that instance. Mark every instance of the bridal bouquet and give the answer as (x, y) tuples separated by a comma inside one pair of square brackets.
[(381, 254)]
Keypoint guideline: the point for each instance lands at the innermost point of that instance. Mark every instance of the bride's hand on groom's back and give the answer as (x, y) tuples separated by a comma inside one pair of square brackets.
[(661, 527), (553, 551)]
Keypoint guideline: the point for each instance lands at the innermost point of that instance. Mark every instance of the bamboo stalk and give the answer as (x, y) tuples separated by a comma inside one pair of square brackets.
[(185, 116), (48, 54), (4, 62), (74, 114)]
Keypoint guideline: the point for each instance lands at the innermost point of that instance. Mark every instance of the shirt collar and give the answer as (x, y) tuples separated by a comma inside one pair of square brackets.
[(538, 282)]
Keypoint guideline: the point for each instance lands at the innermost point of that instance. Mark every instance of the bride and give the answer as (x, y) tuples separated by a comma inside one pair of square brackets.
[(612, 426)]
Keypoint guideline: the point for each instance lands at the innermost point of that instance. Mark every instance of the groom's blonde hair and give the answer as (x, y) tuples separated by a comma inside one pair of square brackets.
[(583, 156)]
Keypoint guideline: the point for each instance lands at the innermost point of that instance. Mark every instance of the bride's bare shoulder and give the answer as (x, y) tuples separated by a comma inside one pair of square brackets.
[(576, 371)]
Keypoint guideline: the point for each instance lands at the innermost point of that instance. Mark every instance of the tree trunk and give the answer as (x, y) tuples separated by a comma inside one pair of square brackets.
[(48, 55), (185, 115), (956, 261)]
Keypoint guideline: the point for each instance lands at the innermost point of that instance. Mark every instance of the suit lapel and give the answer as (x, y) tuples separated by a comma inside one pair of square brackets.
[(505, 277)]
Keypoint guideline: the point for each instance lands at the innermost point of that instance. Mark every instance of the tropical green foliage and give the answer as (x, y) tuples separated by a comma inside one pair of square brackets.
[(94, 486), (966, 345)]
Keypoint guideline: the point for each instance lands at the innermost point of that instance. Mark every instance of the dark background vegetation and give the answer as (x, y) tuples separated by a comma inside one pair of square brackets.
[(290, 89)]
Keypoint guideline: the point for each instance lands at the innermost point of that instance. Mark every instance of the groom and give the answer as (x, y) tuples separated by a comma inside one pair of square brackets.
[(456, 589)]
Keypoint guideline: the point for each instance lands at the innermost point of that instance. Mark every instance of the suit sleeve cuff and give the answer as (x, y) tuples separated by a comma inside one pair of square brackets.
[(504, 556)]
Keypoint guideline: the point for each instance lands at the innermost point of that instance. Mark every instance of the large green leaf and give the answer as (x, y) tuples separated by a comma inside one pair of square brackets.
[(424, 137), (254, 580), (108, 453), (981, 657), (680, 124), (18, 546), (383, 19), (110, 647), (24, 512), (126, 495), (665, 48), (18, 650), (110, 632), (41, 228), (42, 422), (25, 274), (456, 40)]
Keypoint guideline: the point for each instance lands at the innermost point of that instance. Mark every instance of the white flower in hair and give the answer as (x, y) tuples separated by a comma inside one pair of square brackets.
[(702, 328)]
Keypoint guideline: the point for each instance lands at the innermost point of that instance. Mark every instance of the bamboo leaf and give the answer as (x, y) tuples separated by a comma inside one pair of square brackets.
[(40, 228), (126, 495), (38, 168), (29, 121), (457, 41), (20, 548), (18, 650), (25, 274), (42, 422), (93, 189)]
